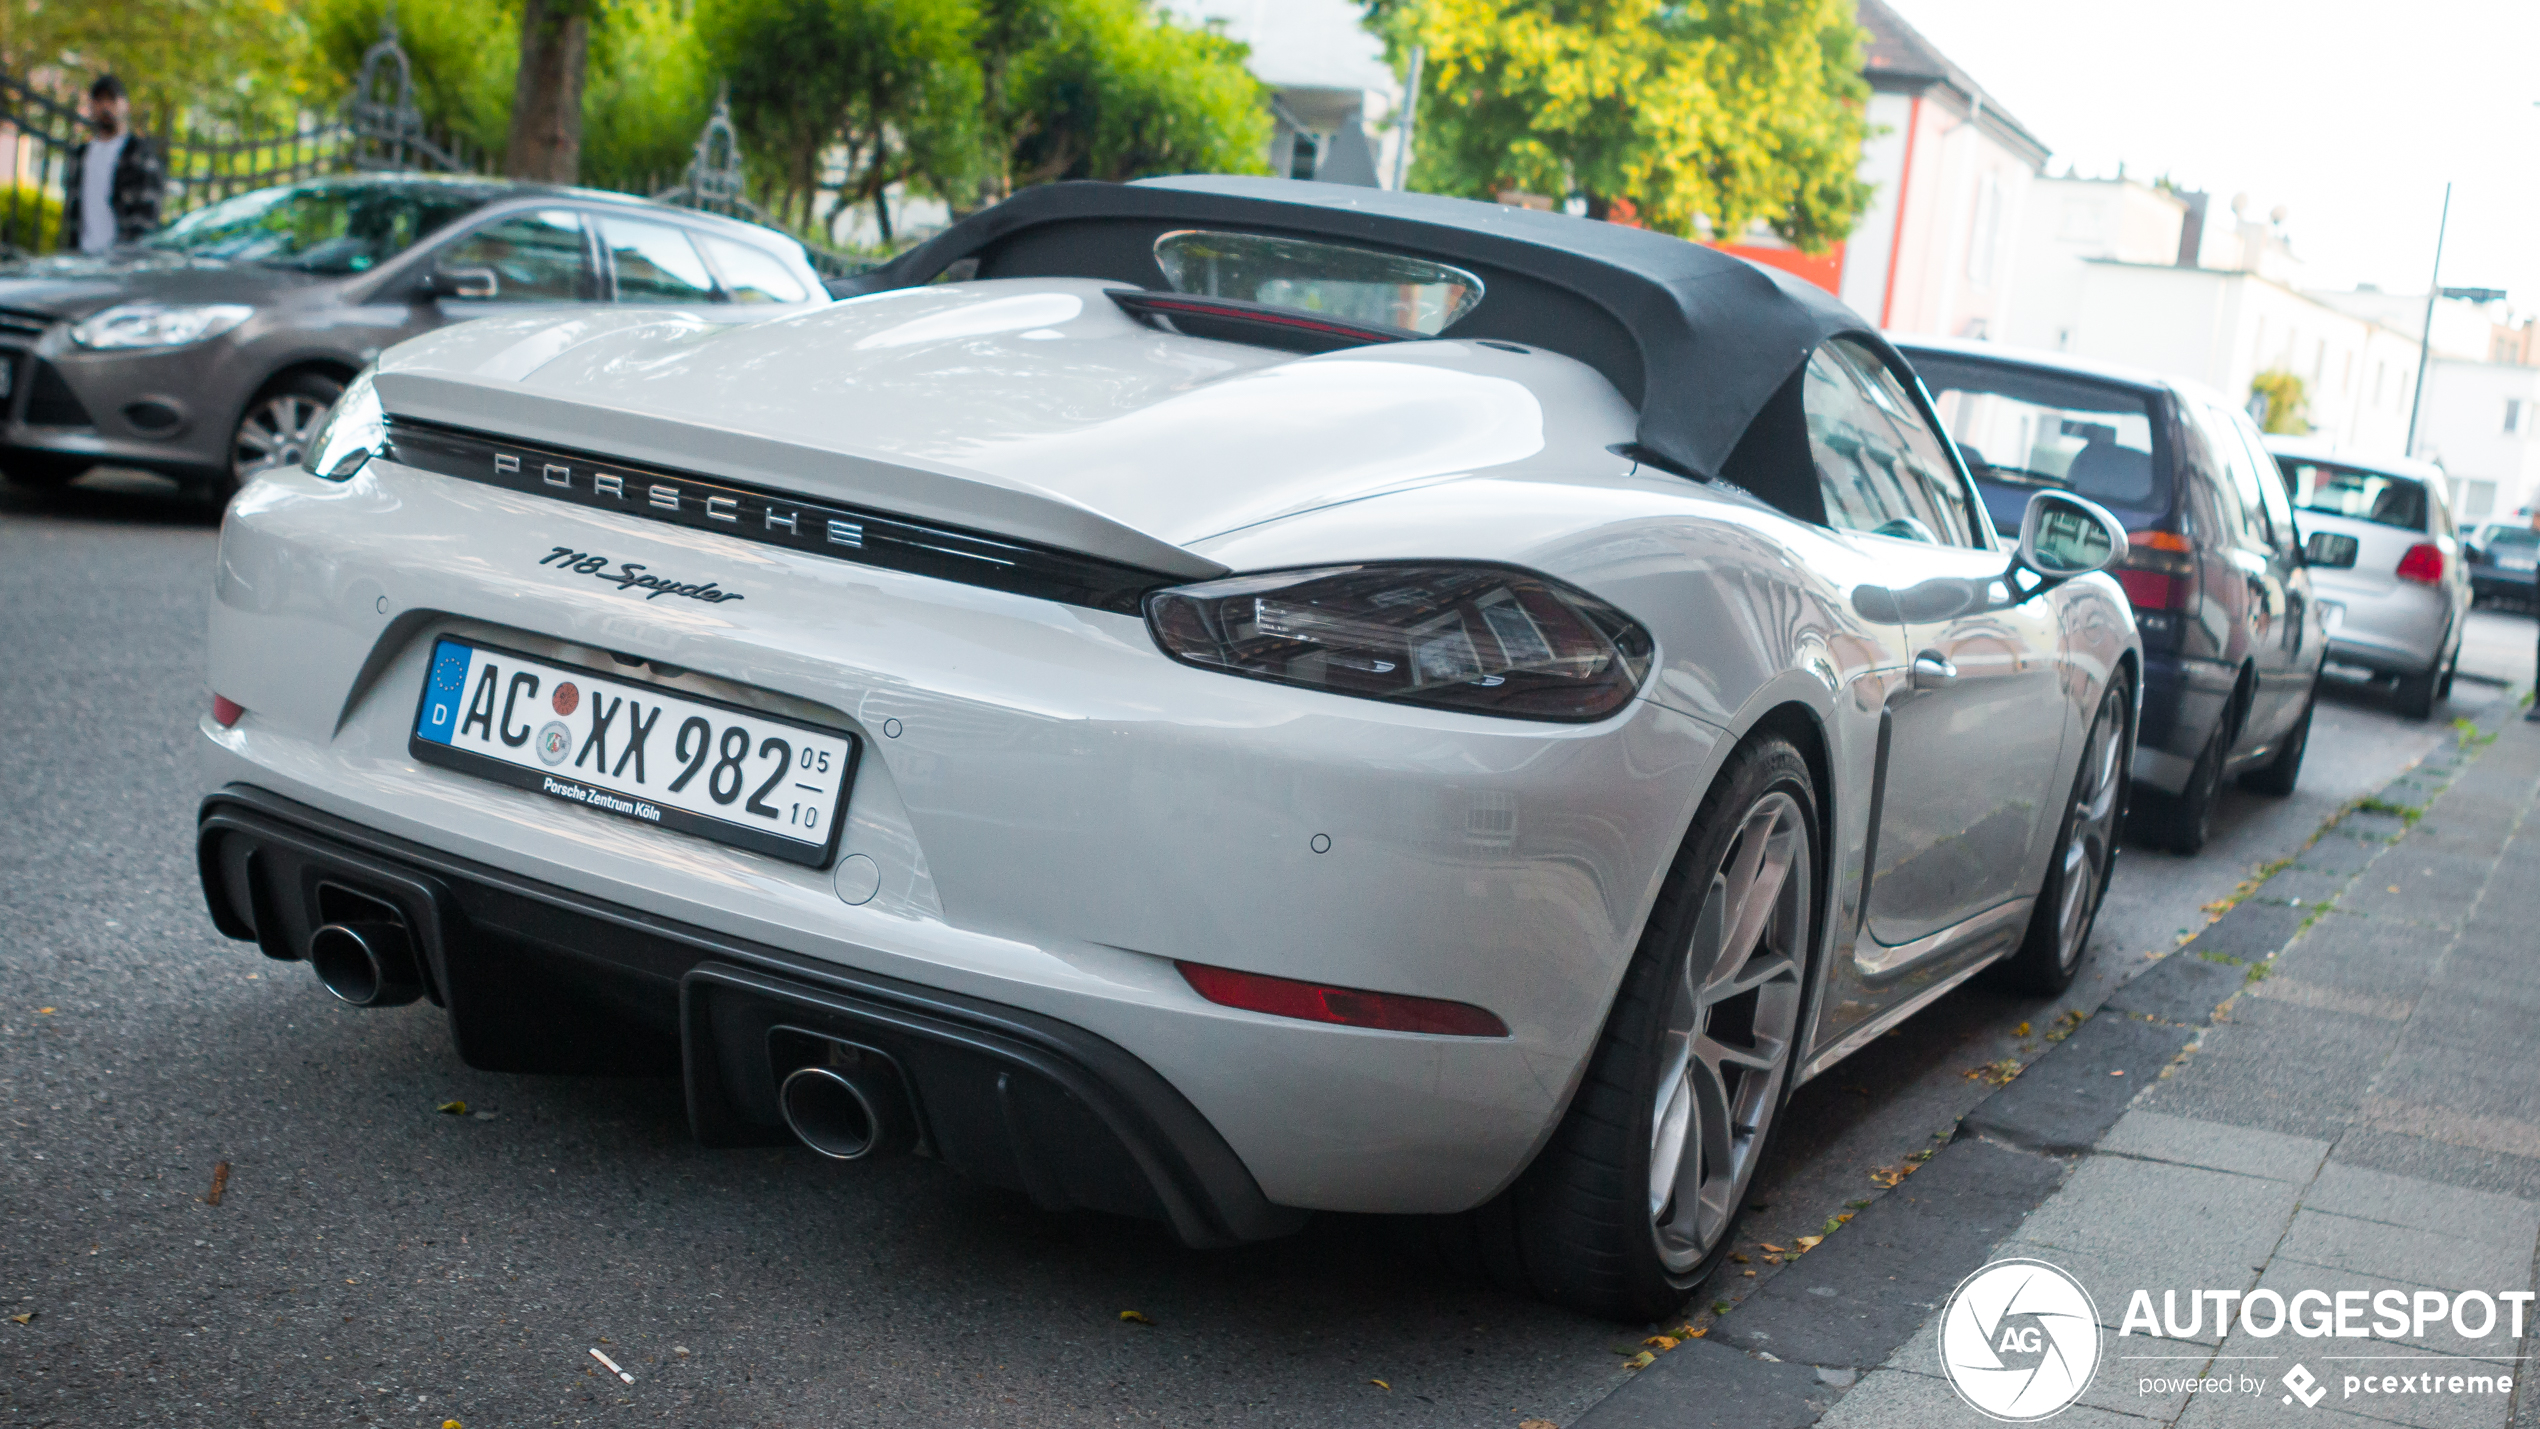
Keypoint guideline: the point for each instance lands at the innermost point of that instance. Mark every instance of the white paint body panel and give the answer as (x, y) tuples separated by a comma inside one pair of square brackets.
[(1064, 809)]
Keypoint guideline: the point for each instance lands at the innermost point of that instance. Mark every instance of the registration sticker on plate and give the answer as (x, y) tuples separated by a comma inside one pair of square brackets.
[(757, 781)]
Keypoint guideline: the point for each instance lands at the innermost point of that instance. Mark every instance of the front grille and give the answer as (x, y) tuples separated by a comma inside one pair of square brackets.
[(18, 323), (52, 403), (774, 518)]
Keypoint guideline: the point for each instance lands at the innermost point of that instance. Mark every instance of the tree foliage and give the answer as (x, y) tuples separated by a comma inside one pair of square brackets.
[(2288, 402), (970, 99), (1714, 113), (225, 60)]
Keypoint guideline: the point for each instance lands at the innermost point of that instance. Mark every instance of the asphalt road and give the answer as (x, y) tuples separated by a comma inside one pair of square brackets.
[(374, 1260)]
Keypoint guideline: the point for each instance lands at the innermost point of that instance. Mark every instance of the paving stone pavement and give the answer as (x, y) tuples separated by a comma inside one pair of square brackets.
[(2356, 1109), (2363, 1116)]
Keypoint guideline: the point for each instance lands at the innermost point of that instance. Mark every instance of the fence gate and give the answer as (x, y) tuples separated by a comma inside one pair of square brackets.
[(380, 127)]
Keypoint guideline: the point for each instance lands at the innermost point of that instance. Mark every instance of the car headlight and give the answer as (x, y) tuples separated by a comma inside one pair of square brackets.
[(354, 429), (159, 324), (1483, 639)]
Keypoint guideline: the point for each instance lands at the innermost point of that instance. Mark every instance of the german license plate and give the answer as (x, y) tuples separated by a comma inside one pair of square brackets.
[(636, 751)]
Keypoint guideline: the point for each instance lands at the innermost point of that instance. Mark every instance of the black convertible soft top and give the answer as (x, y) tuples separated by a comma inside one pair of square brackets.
[(1699, 341)]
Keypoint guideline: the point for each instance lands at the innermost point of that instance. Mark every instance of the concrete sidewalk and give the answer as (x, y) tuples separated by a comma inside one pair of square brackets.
[(2335, 1088)]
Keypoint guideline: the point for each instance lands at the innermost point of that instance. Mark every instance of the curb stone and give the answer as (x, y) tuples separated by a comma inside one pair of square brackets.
[(1823, 1322)]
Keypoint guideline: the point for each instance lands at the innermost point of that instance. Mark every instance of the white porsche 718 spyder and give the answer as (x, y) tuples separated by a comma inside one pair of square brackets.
[(1207, 699)]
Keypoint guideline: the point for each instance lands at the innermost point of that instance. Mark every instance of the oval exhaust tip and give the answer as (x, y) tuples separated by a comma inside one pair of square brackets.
[(842, 1117), (366, 964)]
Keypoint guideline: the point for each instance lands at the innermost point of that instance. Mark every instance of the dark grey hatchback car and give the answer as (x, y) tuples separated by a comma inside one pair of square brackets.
[(211, 350)]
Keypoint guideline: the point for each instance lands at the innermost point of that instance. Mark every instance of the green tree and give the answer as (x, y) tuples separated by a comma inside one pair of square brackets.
[(1115, 90), (647, 96), (1715, 113), (463, 55), (2287, 399), (887, 89), (222, 60)]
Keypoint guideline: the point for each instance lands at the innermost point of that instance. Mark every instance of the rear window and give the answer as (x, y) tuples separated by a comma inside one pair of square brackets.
[(2513, 536), (2373, 496), (2023, 431), (1359, 284)]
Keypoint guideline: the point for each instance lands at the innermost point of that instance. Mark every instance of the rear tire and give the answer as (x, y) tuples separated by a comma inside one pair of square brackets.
[(2278, 775), (2415, 694), (2085, 858), (1637, 1196)]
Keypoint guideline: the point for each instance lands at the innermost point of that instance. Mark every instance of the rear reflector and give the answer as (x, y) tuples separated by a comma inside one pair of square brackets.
[(2423, 562), (1350, 1007), (225, 711)]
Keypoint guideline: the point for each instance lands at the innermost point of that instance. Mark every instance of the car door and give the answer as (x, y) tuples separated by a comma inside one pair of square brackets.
[(538, 256), (2266, 563), (1976, 732)]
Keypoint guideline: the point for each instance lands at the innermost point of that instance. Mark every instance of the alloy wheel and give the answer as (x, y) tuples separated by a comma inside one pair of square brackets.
[(2091, 845), (1732, 1019), (275, 433)]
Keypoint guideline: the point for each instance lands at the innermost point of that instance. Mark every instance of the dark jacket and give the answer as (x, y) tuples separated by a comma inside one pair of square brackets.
[(139, 178)]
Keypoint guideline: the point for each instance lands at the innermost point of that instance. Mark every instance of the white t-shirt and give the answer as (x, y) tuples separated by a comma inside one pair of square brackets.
[(97, 195)]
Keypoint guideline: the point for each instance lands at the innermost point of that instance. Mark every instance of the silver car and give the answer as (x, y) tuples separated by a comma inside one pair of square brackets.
[(2401, 610), (210, 351), (1206, 699)]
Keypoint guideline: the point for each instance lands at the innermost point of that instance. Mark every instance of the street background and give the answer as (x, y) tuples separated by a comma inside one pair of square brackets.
[(374, 1259)]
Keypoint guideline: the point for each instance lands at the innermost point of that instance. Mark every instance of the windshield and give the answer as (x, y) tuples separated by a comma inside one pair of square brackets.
[(336, 227), (2021, 429), (2364, 495), (1355, 283)]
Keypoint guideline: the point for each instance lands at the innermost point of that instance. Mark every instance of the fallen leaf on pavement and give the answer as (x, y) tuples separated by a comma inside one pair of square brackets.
[(1777, 1250), (2119, 1072), (1135, 1318), (1643, 1360), (1809, 1242), (1739, 1256), (1380, 1384), (47, 1012), (26, 1319), (220, 1183), (1662, 1342), (452, 1108), (2020, 1031), (1536, 1424)]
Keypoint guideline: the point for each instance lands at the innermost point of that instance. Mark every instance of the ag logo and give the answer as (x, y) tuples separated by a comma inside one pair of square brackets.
[(2019, 1340), (554, 741)]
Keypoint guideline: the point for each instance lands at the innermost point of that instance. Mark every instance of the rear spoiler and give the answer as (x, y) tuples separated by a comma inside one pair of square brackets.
[(926, 491)]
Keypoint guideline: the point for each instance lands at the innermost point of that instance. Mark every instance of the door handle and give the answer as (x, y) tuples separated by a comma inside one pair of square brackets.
[(1932, 671)]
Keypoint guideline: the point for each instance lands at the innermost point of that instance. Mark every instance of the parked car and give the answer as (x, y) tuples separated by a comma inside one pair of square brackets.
[(1270, 697), (211, 350), (2215, 565), (2402, 610), (2504, 562)]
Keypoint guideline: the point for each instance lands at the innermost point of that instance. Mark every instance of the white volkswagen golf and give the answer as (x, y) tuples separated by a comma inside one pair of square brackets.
[(1209, 699)]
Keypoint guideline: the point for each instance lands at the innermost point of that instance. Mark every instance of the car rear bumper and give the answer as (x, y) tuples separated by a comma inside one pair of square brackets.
[(538, 978), (2395, 629)]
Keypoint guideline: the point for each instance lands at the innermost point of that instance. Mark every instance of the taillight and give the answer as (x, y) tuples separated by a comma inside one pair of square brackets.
[(225, 711), (2423, 563), (1350, 1007), (2159, 570)]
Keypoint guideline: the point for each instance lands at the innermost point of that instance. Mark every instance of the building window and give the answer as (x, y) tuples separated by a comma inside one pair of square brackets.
[(2515, 416), (1988, 223)]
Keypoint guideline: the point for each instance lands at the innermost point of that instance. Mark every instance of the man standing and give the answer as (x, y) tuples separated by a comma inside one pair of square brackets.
[(110, 189)]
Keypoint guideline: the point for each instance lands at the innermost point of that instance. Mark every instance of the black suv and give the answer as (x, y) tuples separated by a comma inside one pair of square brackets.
[(2231, 642)]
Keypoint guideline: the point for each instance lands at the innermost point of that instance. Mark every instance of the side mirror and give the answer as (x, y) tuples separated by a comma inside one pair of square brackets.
[(2063, 536), (476, 284), (2331, 551)]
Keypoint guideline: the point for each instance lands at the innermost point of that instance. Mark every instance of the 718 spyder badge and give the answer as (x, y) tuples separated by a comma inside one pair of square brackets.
[(630, 575)]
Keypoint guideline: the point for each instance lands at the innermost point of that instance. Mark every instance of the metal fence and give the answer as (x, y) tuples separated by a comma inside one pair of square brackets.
[(379, 128)]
